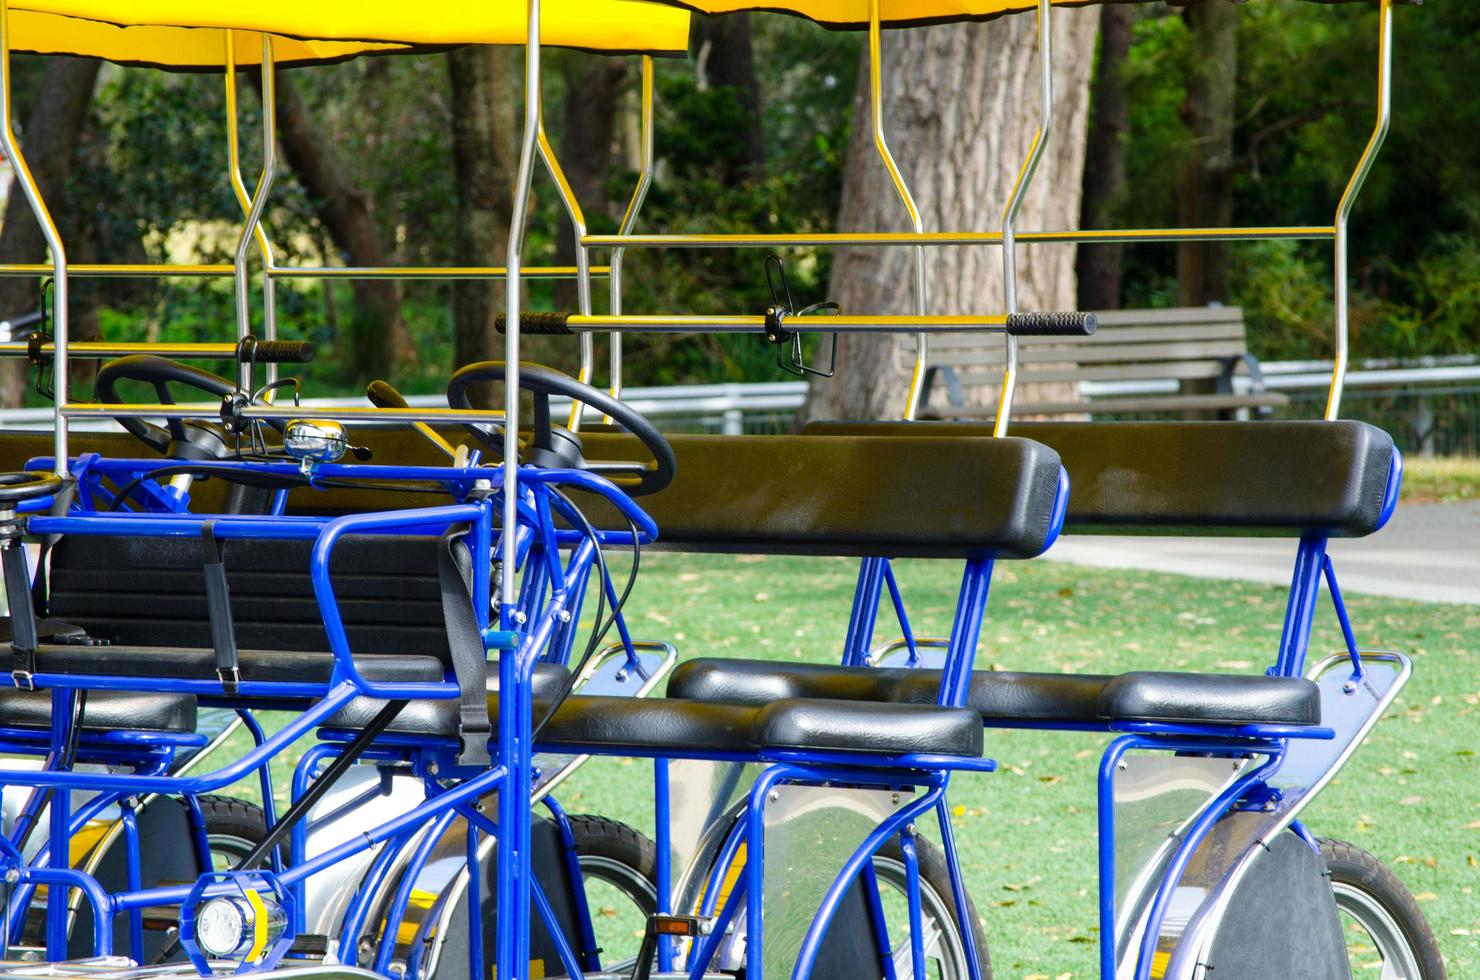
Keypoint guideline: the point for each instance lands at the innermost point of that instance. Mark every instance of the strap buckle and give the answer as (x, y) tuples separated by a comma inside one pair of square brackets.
[(230, 678), (474, 739), (23, 679)]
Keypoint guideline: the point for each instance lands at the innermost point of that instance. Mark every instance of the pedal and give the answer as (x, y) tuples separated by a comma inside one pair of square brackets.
[(658, 925)]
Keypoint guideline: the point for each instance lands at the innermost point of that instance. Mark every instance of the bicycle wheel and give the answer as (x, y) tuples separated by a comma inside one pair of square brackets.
[(1383, 924), (622, 864)]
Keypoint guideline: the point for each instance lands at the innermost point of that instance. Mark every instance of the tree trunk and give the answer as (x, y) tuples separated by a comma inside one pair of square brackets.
[(378, 336), (49, 142), (1205, 179), (587, 145), (727, 60), (1099, 266), (481, 80), (960, 109)]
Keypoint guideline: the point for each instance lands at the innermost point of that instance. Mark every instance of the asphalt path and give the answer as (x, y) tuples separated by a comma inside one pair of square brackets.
[(1429, 552)]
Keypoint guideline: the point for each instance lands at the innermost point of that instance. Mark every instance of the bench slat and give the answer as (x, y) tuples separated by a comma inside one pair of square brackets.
[(1175, 370), (1105, 334), (1096, 353), (1158, 403)]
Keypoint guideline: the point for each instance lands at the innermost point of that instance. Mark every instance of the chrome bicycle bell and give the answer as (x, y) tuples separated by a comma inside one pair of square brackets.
[(314, 441)]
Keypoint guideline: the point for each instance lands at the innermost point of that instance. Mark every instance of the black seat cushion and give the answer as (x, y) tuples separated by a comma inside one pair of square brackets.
[(994, 695), (441, 716), (868, 495), (46, 629), (679, 727), (856, 726), (1267, 478), (650, 724), (196, 664), (1217, 699), (150, 592), (104, 711)]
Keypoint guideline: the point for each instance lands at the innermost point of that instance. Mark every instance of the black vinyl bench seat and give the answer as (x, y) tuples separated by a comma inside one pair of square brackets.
[(1006, 697), (686, 726), (193, 663), (105, 711)]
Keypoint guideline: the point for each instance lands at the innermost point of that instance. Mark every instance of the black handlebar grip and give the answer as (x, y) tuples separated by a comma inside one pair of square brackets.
[(1052, 324), (382, 395), (549, 324), (275, 351)]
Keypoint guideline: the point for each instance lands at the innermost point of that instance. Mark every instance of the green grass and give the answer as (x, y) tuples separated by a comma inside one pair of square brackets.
[(1441, 479), (1411, 795)]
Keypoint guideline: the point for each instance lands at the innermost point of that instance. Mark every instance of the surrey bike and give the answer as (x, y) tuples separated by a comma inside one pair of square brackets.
[(1302, 722)]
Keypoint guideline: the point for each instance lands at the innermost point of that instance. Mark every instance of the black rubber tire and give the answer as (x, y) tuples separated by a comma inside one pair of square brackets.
[(935, 875), (1359, 870), (615, 841), (601, 837), (237, 821)]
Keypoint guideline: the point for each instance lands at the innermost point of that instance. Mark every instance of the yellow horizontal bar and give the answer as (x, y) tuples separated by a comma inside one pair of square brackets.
[(699, 323), (427, 272), (106, 348), (105, 270), (168, 270), (1315, 232)]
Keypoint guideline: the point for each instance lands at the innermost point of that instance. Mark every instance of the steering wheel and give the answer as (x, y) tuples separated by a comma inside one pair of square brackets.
[(179, 439), (555, 445), (18, 487)]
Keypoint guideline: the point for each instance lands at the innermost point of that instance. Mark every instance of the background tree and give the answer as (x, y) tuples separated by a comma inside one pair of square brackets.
[(960, 108), (50, 139), (1099, 266), (482, 90)]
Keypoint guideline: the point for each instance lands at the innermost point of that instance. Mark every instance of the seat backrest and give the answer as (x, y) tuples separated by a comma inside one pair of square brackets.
[(849, 495), (151, 592), (1274, 479), (1128, 345)]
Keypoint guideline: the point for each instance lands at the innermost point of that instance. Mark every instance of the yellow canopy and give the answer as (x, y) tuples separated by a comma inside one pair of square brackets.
[(851, 14), (191, 33)]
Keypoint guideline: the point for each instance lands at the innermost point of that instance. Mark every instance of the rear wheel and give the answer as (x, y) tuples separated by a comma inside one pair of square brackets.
[(233, 828), (619, 866), (1383, 925)]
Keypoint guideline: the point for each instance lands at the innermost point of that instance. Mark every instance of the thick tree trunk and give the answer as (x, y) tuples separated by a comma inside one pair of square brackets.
[(481, 82), (727, 60), (1205, 180), (960, 109), (378, 336), (1099, 266), (587, 145), (49, 142)]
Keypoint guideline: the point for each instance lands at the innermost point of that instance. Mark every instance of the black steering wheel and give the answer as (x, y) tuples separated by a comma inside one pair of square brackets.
[(555, 445), (179, 439), (16, 487)]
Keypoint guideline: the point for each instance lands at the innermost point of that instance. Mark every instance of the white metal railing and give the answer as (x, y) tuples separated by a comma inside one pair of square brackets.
[(725, 407)]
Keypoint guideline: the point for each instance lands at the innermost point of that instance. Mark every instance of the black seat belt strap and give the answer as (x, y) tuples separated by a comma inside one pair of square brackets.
[(465, 643), (218, 607), (22, 615)]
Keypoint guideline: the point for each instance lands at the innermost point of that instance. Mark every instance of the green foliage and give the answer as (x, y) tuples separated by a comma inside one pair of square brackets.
[(1306, 104)]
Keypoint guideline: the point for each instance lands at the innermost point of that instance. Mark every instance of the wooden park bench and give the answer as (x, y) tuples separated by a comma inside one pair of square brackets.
[(1198, 348)]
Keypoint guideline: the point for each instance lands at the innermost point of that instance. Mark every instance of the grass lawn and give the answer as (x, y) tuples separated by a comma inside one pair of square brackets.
[(1441, 479), (1411, 795)]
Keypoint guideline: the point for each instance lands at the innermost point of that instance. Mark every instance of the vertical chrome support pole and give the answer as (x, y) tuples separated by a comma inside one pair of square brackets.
[(1349, 197), (27, 183), (583, 260), (508, 596), (259, 198), (876, 111), (243, 197), (1015, 203), (629, 221)]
